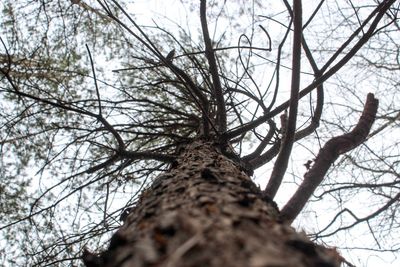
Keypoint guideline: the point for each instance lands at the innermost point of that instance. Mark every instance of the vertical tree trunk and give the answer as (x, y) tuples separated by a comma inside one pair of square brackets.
[(206, 212)]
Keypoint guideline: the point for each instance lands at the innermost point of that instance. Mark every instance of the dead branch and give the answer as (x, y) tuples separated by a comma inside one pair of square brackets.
[(327, 155)]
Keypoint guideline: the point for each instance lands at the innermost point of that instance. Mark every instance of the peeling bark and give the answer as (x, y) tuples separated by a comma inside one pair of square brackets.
[(207, 212)]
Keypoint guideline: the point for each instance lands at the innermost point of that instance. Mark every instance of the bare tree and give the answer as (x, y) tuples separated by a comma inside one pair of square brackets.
[(185, 121)]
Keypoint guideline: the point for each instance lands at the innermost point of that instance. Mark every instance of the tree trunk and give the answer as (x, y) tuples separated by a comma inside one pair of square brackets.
[(207, 212)]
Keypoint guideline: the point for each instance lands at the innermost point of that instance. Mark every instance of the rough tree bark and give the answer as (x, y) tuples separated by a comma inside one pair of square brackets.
[(207, 212)]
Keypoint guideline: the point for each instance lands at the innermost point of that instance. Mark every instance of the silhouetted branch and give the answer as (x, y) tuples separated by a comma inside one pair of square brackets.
[(358, 220), (320, 96), (327, 155), (196, 93), (263, 144), (382, 7), (281, 162), (121, 152), (95, 80), (221, 110)]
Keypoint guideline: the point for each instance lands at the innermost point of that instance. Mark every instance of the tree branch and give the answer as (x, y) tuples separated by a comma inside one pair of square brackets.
[(121, 151), (281, 163), (221, 109), (95, 80), (260, 148), (382, 7), (192, 88), (258, 160), (358, 220), (327, 155)]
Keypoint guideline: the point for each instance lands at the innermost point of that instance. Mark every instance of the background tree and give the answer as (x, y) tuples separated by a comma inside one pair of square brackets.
[(88, 146)]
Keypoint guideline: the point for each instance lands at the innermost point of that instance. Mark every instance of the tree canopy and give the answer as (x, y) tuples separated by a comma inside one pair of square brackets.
[(98, 97)]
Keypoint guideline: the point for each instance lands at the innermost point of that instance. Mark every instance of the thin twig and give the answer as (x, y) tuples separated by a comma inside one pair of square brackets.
[(95, 79)]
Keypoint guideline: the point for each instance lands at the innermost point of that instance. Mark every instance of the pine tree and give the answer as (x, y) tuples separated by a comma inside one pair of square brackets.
[(181, 130)]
